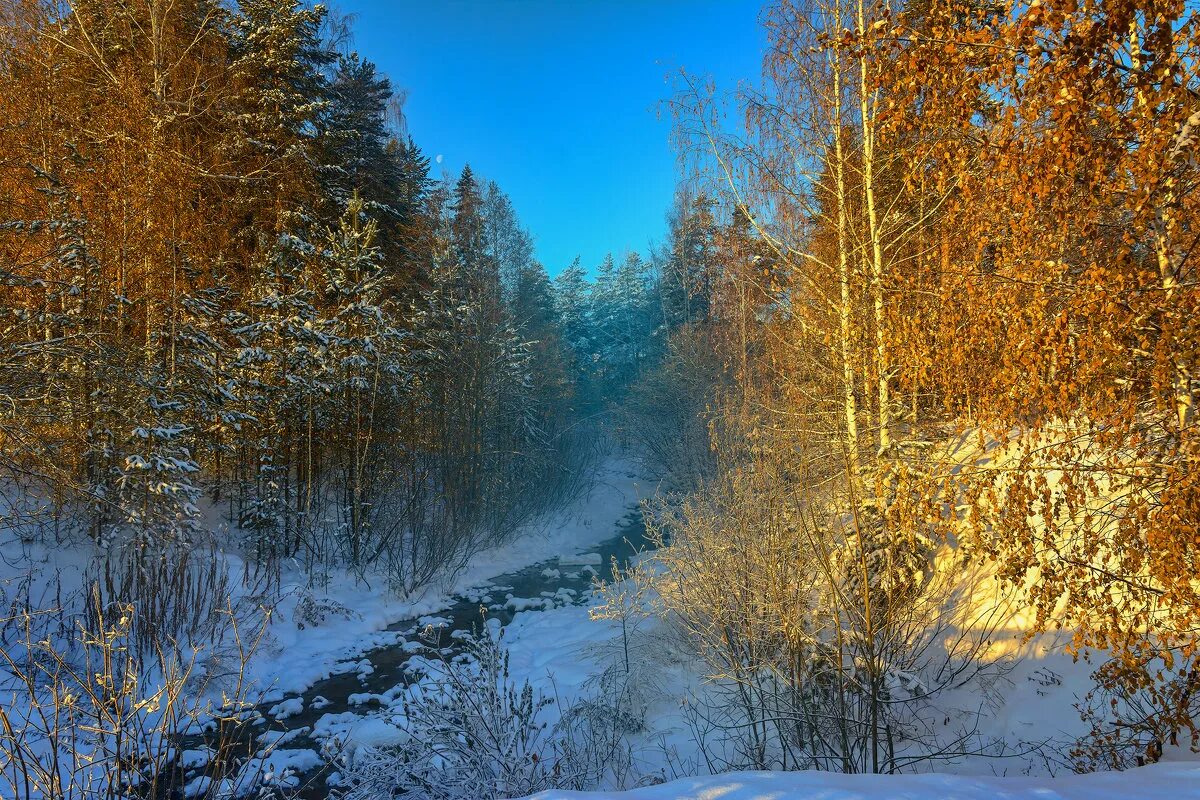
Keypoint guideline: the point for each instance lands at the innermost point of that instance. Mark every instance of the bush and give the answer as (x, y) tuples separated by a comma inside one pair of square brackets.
[(468, 732), (87, 717)]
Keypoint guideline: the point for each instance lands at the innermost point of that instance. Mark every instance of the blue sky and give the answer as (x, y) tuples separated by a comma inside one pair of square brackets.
[(558, 102)]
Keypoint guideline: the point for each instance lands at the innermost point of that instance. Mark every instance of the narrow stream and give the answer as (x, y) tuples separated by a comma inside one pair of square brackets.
[(548, 584)]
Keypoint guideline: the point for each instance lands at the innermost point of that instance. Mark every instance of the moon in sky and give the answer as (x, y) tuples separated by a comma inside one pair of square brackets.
[(438, 159)]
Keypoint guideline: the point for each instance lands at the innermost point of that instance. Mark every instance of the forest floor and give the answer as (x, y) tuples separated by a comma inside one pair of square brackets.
[(363, 615), (335, 681), (1025, 717), (1163, 781)]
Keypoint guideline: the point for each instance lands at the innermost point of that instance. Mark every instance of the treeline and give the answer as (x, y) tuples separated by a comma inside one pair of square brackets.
[(625, 327), (952, 218), (234, 297)]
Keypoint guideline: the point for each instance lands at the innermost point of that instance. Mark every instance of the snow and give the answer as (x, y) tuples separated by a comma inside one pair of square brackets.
[(297, 658), (517, 604), (558, 644), (278, 768), (1170, 781), (352, 730), (288, 708), (193, 759), (559, 648), (197, 787), (353, 613)]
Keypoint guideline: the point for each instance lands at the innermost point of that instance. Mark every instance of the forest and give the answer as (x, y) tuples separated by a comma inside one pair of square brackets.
[(315, 482)]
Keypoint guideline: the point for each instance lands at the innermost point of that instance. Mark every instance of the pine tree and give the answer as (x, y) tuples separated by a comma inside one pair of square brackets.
[(552, 386), (478, 273), (283, 370), (624, 318), (574, 308), (690, 264), (156, 488), (507, 244), (362, 342), (278, 64), (354, 140), (571, 301)]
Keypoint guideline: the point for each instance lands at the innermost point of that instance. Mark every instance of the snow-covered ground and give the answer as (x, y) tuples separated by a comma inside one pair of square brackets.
[(1164, 781), (1031, 717), (294, 658), (1028, 719), (292, 655), (562, 649)]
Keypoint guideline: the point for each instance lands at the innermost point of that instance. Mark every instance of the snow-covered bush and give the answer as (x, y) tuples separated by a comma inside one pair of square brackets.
[(818, 653), (180, 594), (312, 611), (593, 735), (1128, 726), (89, 718), (469, 731), (591, 741)]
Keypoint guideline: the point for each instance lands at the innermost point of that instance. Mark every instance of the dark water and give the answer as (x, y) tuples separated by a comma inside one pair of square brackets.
[(549, 581)]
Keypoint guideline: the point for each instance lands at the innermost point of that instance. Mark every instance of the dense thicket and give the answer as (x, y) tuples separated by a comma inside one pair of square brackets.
[(952, 217), (234, 298)]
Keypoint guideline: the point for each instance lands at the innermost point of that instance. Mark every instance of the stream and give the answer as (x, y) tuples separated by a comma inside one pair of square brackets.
[(352, 689)]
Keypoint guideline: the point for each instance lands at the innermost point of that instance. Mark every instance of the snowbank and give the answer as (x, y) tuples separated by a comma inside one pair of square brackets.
[(1172, 781)]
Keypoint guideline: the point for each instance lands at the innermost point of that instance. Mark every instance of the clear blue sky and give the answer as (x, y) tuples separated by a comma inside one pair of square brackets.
[(558, 101)]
